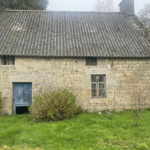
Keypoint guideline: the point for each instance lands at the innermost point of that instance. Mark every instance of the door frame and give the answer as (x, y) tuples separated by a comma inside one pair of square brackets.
[(15, 105)]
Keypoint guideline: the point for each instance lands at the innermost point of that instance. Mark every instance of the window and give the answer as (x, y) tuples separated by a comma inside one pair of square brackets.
[(91, 61), (7, 60), (98, 86)]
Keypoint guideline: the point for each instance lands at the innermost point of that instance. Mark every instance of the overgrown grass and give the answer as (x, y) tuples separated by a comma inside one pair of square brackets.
[(88, 131)]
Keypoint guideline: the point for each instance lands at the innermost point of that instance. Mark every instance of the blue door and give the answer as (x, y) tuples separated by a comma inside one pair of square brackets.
[(22, 95)]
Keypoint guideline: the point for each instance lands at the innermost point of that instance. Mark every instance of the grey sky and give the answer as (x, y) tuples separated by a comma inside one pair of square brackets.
[(85, 5)]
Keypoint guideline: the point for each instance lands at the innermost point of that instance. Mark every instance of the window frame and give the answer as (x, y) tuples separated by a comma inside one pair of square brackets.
[(97, 86), (92, 58), (7, 60)]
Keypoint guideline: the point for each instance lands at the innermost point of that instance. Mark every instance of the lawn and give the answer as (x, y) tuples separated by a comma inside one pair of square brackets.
[(88, 131)]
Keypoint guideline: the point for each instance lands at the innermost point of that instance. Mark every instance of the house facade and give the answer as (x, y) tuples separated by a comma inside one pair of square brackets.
[(91, 53)]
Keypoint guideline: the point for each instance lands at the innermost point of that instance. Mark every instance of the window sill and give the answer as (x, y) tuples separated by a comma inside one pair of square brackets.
[(98, 97), (7, 66)]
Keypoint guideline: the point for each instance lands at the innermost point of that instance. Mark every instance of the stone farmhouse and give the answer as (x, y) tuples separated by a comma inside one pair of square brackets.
[(89, 53)]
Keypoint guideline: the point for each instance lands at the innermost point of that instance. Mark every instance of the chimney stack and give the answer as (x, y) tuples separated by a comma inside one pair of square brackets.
[(127, 7)]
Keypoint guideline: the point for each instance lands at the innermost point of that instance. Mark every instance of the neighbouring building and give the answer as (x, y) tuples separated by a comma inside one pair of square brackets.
[(90, 53)]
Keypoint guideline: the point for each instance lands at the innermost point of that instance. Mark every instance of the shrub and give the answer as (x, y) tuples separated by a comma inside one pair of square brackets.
[(54, 105)]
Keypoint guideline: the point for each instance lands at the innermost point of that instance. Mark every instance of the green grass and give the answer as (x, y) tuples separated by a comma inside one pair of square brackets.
[(88, 131)]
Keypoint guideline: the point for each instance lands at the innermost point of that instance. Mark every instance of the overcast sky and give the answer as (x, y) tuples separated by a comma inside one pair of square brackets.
[(85, 5)]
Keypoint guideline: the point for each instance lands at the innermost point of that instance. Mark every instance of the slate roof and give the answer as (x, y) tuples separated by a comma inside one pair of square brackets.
[(70, 34)]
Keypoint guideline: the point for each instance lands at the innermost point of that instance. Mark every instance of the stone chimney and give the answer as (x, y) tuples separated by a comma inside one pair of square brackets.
[(127, 7)]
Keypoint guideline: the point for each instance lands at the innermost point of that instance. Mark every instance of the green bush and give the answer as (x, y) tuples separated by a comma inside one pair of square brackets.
[(54, 105)]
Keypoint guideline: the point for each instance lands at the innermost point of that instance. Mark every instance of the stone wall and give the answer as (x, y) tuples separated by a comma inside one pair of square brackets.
[(72, 73)]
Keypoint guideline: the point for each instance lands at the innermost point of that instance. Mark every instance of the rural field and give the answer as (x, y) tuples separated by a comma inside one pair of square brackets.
[(88, 131)]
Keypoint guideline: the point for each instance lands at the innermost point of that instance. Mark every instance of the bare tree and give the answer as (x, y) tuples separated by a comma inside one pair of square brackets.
[(104, 6), (140, 92), (140, 95), (0, 101), (144, 15)]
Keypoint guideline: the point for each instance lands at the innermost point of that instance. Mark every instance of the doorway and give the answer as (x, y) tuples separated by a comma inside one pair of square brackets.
[(22, 97)]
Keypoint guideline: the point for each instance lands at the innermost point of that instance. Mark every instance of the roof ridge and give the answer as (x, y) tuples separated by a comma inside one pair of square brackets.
[(12, 10)]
